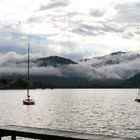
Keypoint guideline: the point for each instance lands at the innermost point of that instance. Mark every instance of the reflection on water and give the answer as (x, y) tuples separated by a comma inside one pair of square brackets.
[(97, 111)]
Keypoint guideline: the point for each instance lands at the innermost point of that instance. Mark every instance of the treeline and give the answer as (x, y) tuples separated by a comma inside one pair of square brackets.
[(22, 84)]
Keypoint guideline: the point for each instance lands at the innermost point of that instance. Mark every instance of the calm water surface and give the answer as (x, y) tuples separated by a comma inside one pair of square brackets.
[(96, 111)]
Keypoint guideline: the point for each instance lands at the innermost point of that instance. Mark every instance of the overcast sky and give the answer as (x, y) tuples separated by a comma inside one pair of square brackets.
[(74, 29)]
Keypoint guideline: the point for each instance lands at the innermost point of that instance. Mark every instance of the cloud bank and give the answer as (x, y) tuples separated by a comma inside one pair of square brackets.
[(118, 66)]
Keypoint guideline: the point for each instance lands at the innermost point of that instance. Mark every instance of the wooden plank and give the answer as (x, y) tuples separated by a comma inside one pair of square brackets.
[(43, 133), (13, 137)]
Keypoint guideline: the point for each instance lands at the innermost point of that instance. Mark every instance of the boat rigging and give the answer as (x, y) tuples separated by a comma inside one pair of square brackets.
[(138, 96), (28, 101)]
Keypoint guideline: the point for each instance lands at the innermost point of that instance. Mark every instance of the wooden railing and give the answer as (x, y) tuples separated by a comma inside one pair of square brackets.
[(47, 134)]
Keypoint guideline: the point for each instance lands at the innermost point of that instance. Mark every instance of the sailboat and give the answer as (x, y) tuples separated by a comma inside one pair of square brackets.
[(138, 96), (28, 101)]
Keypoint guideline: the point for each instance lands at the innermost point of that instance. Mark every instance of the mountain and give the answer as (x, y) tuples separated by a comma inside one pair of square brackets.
[(118, 65), (53, 61), (110, 71), (133, 82), (118, 53)]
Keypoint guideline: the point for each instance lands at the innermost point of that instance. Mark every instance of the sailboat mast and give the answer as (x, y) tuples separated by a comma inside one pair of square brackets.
[(139, 91), (28, 101), (28, 96)]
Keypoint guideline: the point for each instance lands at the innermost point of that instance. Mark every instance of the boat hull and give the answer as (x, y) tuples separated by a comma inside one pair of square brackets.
[(28, 102)]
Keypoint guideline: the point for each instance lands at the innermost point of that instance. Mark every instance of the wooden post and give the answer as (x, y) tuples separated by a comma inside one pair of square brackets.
[(13, 137)]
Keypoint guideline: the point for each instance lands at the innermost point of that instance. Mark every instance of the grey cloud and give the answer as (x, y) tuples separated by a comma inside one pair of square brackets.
[(128, 12), (54, 4), (17, 42), (138, 33), (111, 28), (96, 30), (96, 13), (83, 31), (34, 19), (4, 48), (71, 14), (128, 35), (13, 40)]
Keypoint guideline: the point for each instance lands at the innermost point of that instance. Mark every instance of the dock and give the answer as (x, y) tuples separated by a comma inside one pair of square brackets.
[(48, 134)]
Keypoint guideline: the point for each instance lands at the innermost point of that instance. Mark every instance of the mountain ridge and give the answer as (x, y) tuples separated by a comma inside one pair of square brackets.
[(107, 71)]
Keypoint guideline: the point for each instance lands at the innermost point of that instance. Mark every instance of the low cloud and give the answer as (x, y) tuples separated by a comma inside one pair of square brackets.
[(120, 66), (116, 66)]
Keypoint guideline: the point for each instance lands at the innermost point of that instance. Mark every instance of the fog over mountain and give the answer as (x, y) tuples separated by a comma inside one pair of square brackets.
[(118, 65), (115, 66)]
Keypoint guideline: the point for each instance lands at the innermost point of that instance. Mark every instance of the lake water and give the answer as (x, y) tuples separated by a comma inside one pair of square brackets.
[(96, 111)]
